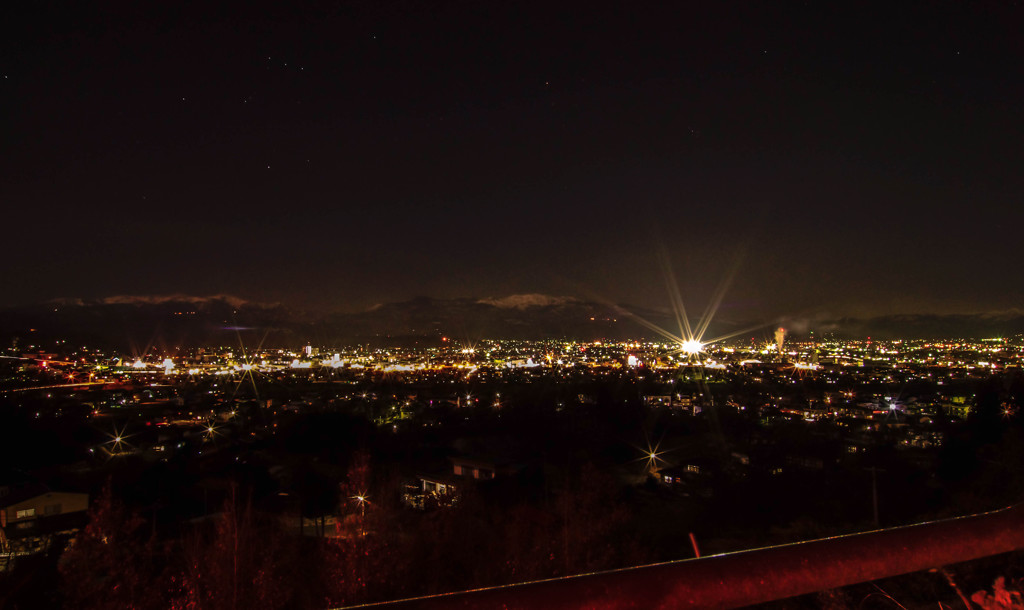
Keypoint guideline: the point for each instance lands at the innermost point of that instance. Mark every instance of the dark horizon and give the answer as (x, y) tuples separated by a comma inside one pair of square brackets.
[(157, 327)]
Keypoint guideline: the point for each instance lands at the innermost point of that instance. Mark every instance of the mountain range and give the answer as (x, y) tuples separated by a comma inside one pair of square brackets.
[(171, 322)]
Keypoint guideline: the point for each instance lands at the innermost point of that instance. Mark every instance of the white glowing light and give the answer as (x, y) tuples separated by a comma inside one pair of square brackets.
[(692, 346)]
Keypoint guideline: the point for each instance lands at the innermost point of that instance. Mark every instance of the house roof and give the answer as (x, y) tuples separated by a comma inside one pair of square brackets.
[(19, 493)]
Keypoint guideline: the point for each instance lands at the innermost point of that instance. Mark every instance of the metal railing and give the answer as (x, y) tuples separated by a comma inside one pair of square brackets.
[(756, 576)]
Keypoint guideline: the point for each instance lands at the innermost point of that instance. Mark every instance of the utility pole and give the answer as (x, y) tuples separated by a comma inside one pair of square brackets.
[(874, 490)]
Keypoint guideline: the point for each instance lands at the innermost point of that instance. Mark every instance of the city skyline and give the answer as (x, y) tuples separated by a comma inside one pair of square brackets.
[(850, 160)]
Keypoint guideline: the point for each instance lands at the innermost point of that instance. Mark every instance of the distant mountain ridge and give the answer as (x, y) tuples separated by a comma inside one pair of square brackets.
[(174, 299), (140, 322), (169, 322), (471, 319), (935, 326)]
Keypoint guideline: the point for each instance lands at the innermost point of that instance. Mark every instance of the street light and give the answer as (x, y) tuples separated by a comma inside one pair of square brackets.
[(361, 500)]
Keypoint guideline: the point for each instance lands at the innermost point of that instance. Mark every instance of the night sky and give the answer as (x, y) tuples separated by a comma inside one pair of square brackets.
[(853, 158)]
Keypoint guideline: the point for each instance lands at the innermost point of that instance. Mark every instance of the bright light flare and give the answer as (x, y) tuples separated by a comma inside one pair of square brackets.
[(690, 339), (651, 456), (118, 441), (691, 347), (653, 461)]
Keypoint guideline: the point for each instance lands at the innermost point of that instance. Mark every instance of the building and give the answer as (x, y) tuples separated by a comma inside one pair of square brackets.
[(442, 489), (31, 514)]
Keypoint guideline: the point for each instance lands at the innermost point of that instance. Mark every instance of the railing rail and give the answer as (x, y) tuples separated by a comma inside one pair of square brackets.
[(756, 576)]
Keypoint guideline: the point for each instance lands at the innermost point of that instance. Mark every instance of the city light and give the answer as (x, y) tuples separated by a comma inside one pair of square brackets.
[(691, 347)]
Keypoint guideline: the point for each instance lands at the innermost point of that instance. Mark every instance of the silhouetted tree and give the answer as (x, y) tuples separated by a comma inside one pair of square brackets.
[(110, 563), (590, 516), (245, 563), (986, 416), (361, 562)]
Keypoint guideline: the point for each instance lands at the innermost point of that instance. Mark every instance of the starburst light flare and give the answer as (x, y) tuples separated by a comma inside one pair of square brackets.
[(248, 364), (691, 340), (691, 347)]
